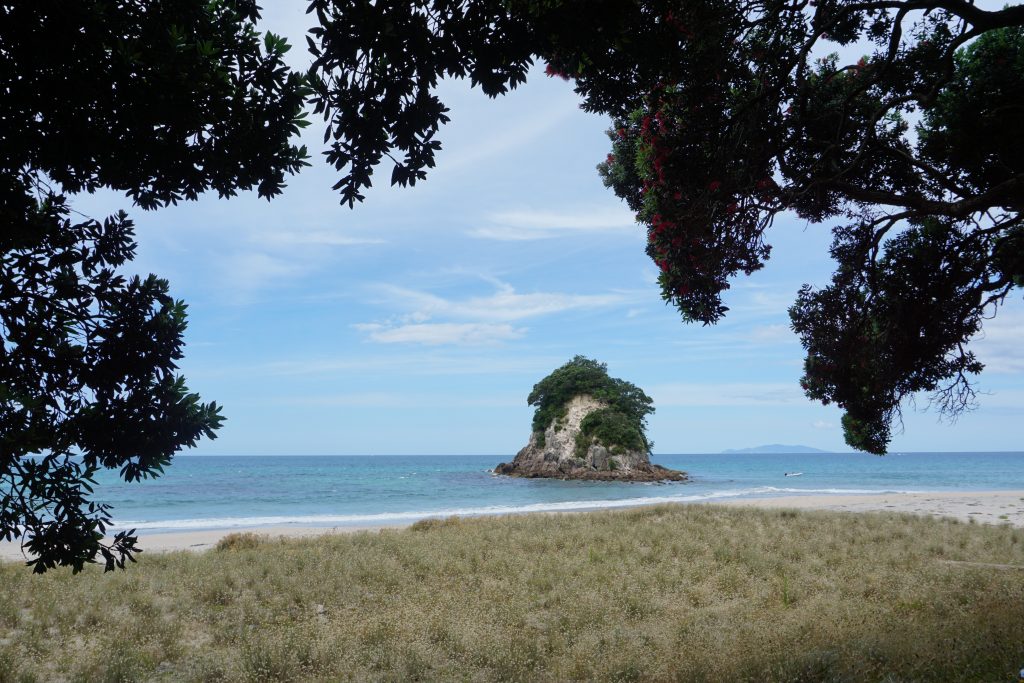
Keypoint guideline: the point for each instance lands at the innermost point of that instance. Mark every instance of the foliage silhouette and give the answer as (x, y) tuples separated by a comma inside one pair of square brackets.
[(160, 101)]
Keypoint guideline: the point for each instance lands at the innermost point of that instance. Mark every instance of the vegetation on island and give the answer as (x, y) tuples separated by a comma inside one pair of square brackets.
[(621, 425), (667, 593)]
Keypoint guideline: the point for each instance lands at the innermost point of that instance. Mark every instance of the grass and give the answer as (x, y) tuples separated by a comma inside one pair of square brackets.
[(667, 593)]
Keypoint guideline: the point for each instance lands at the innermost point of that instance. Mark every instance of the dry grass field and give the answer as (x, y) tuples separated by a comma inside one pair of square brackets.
[(669, 593)]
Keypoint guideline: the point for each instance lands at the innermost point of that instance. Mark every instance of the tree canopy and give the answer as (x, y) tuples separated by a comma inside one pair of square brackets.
[(621, 424), (159, 101), (729, 112)]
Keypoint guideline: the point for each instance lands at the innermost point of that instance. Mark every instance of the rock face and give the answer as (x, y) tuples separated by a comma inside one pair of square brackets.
[(557, 457)]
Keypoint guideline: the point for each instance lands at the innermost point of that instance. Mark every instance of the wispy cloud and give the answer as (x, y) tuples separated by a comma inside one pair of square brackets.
[(428, 362), (427, 318), (499, 140), (244, 272), (385, 399), (999, 346), (310, 238), (272, 256), (530, 224), (461, 334), (772, 334), (504, 305), (723, 394), (761, 299)]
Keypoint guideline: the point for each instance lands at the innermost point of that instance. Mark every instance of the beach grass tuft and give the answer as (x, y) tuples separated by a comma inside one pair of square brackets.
[(245, 540), (662, 593)]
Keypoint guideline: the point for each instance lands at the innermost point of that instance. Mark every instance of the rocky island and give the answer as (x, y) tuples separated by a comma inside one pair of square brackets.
[(588, 425)]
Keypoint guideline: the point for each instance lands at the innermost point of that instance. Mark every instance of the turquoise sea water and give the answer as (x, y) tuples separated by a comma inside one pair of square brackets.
[(221, 492)]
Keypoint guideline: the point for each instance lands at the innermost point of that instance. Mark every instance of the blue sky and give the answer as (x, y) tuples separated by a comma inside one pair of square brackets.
[(418, 322)]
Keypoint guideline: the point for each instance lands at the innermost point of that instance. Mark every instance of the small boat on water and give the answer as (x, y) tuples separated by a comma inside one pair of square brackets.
[(793, 474)]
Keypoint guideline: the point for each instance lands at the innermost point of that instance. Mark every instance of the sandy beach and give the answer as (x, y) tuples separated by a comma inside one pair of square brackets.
[(988, 507), (205, 539), (985, 507)]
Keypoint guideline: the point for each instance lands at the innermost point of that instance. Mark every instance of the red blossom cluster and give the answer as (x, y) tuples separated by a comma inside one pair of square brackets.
[(653, 136), (861, 65), (689, 224), (666, 237), (551, 71), (659, 225), (672, 20)]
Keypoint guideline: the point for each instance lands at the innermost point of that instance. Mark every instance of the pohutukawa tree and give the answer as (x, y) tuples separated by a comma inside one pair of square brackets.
[(729, 112)]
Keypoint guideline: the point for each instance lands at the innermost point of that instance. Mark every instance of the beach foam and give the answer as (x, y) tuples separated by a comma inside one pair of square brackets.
[(413, 515)]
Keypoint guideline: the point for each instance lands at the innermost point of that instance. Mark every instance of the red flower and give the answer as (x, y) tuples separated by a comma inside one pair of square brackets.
[(552, 71), (714, 185)]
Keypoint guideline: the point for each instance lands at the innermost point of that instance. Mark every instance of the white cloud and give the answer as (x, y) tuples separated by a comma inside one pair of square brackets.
[(822, 424), (529, 224), (463, 334)]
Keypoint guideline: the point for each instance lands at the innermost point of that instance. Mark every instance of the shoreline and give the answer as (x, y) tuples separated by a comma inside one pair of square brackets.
[(985, 507)]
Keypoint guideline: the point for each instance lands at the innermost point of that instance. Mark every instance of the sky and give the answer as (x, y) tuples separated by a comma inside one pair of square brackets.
[(418, 322)]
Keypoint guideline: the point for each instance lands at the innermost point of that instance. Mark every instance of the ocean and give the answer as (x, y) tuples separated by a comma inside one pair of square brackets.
[(224, 492)]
